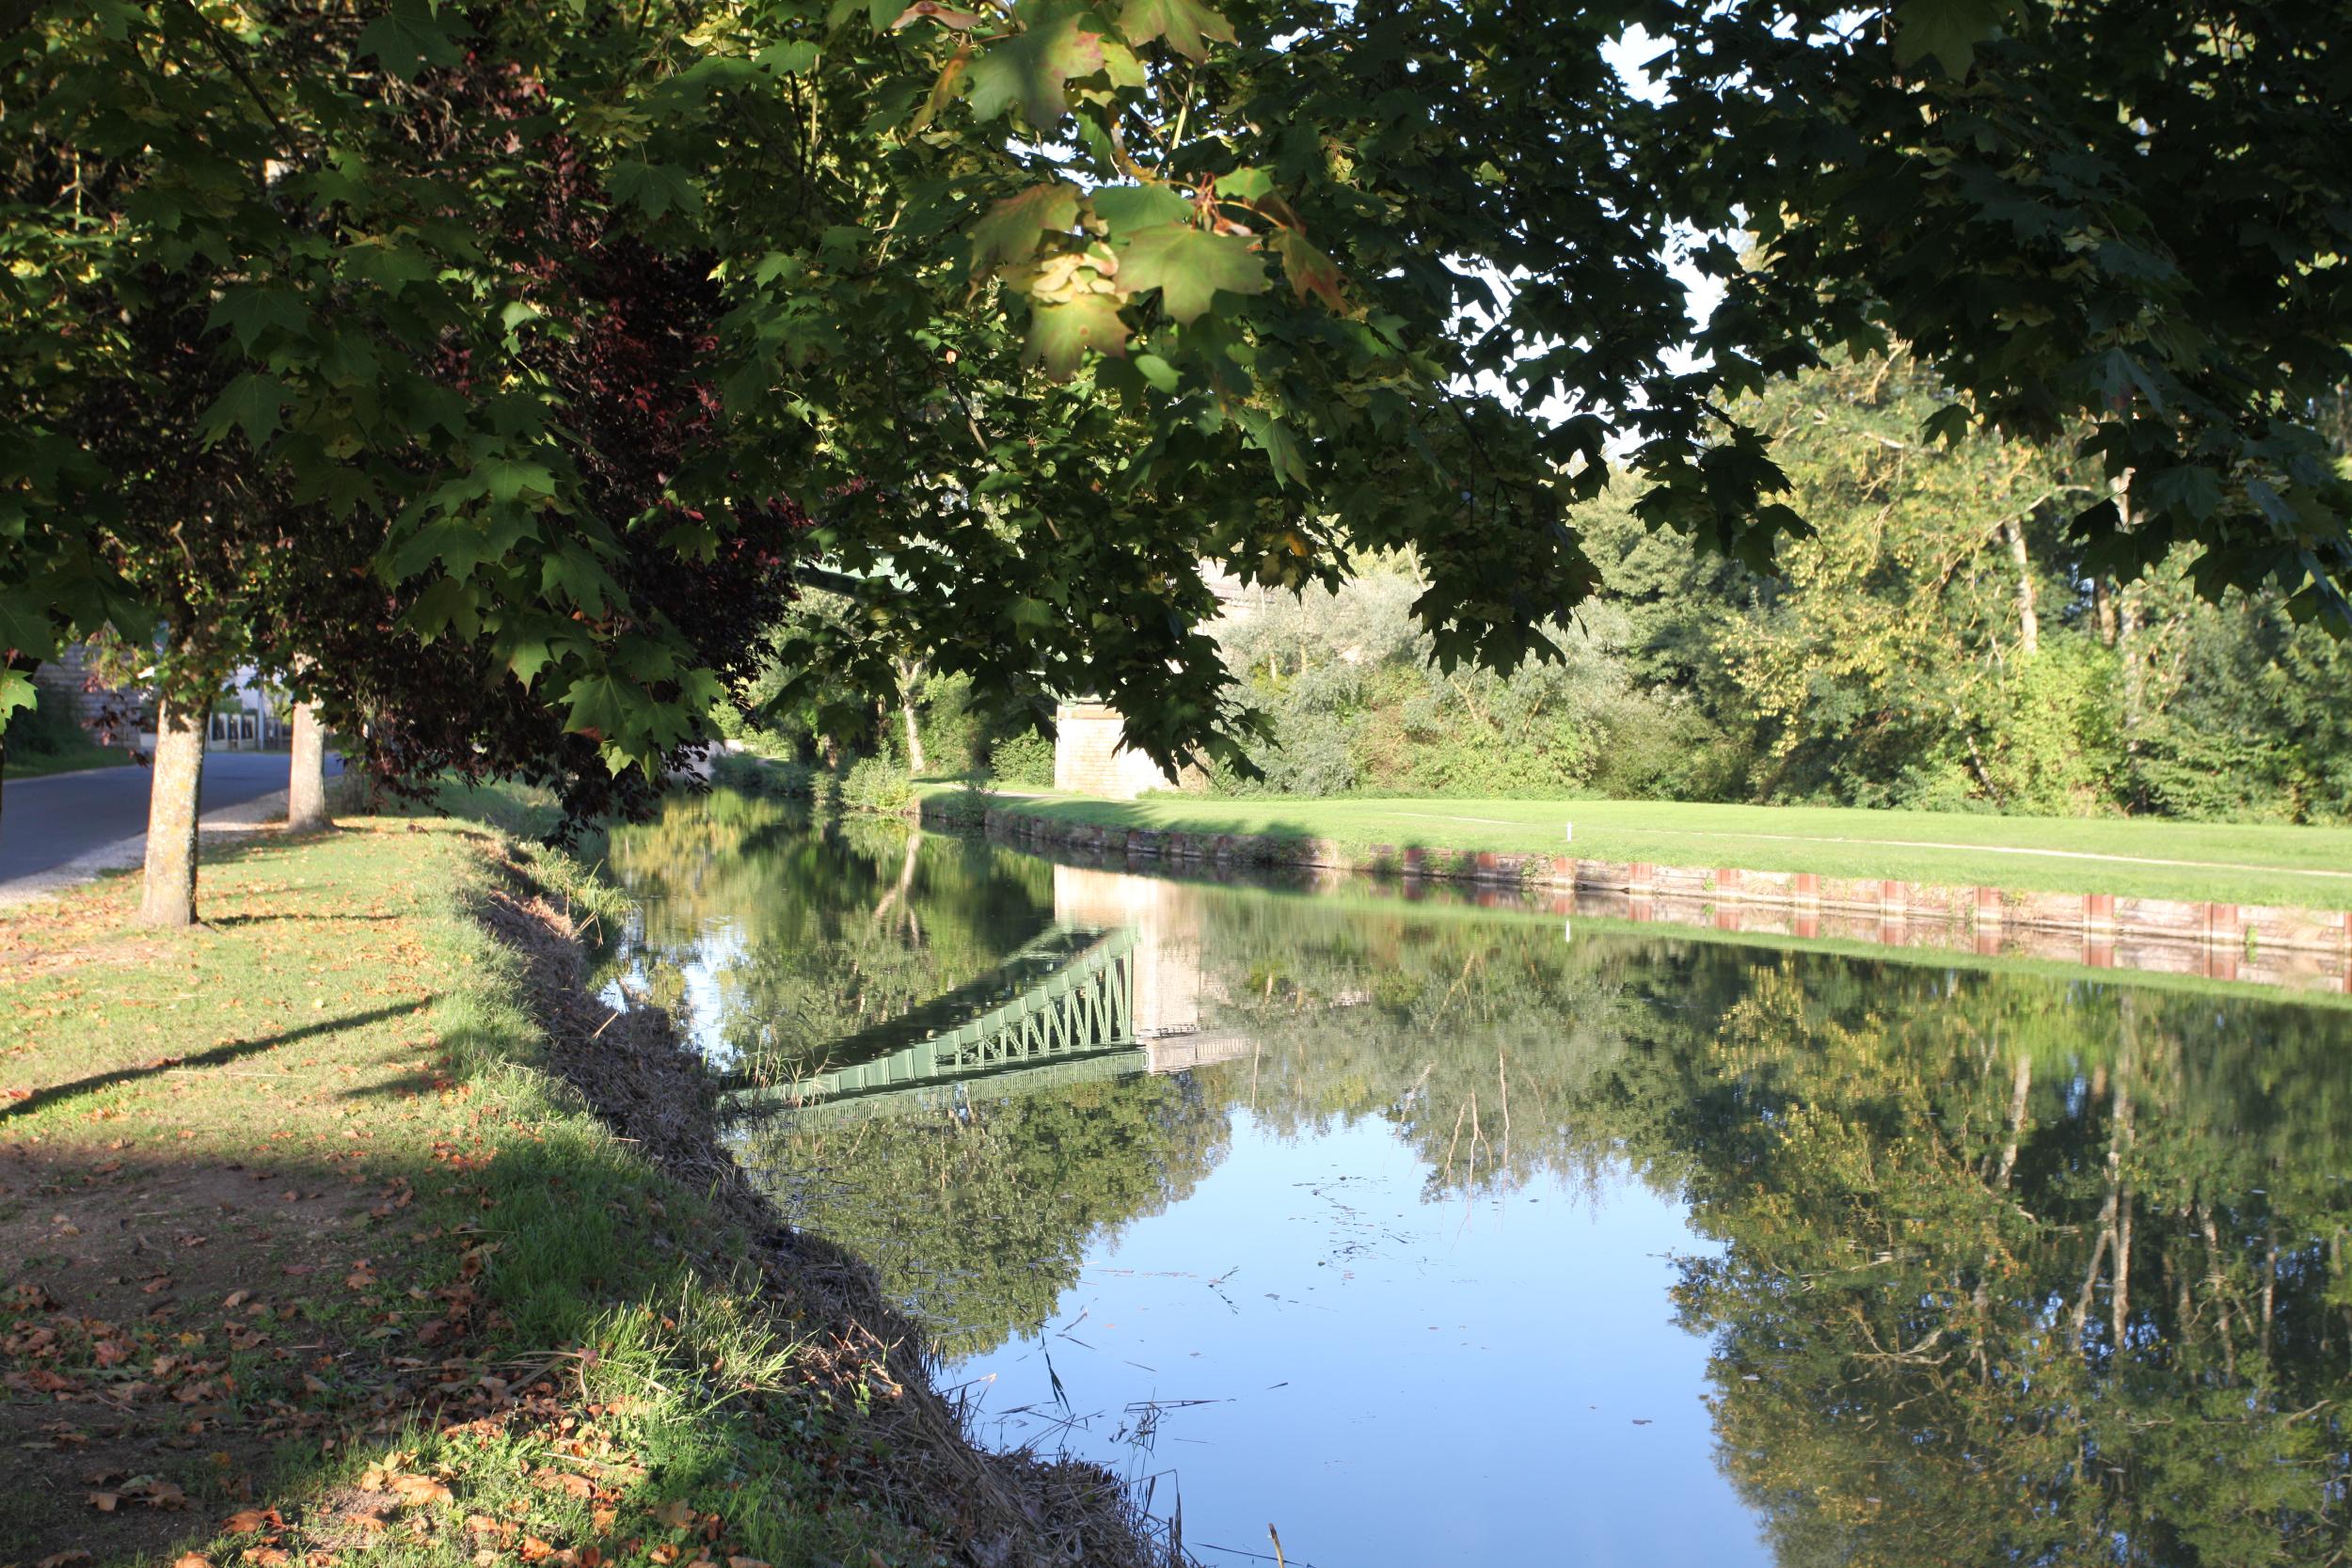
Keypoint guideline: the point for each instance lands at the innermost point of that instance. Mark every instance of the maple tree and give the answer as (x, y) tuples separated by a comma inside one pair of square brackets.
[(1041, 306)]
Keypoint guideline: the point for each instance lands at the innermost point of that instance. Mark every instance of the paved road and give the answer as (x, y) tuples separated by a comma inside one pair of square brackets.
[(47, 822)]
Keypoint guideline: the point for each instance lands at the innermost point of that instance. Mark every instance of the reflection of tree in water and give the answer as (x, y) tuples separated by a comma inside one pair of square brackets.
[(2015, 1274), (812, 930), (979, 1217), (2013, 1269), (1495, 1052)]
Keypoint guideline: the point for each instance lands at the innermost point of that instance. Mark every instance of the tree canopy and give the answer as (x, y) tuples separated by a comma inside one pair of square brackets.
[(512, 313)]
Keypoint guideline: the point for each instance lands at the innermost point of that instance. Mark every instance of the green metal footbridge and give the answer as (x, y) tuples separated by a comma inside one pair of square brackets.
[(1061, 1006)]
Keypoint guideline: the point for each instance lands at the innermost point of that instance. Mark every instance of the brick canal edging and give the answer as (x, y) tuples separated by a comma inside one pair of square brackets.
[(2262, 943)]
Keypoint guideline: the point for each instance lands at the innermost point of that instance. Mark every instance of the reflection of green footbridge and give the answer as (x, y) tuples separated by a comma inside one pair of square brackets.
[(1060, 1008)]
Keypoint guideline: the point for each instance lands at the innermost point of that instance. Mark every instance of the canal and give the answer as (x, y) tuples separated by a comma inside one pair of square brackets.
[(1418, 1232)]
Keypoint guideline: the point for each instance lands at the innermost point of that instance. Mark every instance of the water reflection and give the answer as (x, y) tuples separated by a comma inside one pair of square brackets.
[(1968, 1266)]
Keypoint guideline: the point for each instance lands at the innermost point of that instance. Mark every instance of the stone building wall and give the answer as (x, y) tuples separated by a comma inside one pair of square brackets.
[(1088, 760), (64, 681)]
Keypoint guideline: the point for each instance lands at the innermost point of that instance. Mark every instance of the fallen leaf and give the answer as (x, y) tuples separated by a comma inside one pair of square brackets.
[(191, 1560), (418, 1491), (105, 1501), (243, 1521)]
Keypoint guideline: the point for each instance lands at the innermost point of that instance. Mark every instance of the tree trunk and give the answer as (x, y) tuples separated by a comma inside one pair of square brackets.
[(915, 765), (910, 681), (306, 783), (169, 898), (2029, 616)]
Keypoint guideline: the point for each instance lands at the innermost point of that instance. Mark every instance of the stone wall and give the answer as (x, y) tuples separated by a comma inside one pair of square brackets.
[(2302, 948)]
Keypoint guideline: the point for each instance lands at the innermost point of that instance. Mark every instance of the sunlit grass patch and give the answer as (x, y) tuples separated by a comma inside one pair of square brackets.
[(309, 1261)]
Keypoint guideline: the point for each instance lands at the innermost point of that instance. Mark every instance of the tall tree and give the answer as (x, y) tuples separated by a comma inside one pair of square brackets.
[(1048, 305)]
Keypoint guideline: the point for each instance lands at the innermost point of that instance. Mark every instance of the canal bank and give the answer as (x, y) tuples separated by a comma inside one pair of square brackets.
[(2307, 946)]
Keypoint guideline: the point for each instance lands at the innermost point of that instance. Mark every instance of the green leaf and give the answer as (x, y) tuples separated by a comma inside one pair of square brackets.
[(789, 59), (1059, 335), (1310, 270), (25, 625), (251, 403), (1123, 208), (527, 657), (1009, 230), (1186, 24), (655, 188), (448, 603), (600, 705), (1947, 425), (506, 479), (1945, 31), (1244, 184), (16, 691), (1272, 438), (1158, 372), (1187, 265), (408, 38), (582, 576), (1032, 68), (249, 310)]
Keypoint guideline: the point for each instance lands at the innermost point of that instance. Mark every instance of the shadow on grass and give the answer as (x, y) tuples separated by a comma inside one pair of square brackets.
[(42, 1099), (556, 1339)]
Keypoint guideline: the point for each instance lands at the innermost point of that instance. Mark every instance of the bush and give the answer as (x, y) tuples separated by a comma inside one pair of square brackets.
[(44, 730), (877, 784), (756, 775), (1025, 759)]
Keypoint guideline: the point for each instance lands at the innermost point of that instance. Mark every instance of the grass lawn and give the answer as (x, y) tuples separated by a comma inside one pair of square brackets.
[(2134, 857), (305, 1259), (35, 765)]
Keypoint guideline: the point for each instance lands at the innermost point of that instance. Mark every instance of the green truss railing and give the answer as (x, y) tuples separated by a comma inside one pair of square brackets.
[(1070, 994)]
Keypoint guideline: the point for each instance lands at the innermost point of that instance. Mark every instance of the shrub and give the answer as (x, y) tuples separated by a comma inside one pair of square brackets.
[(44, 730), (1025, 759), (877, 784)]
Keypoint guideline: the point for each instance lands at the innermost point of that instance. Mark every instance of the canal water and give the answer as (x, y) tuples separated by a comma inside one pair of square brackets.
[(1422, 1233)]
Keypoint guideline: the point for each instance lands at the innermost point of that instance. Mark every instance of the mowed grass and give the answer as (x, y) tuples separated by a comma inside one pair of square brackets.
[(304, 1260), (21, 764), (2136, 857)]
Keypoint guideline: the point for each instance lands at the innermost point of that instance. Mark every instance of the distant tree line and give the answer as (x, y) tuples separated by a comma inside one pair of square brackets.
[(1941, 640)]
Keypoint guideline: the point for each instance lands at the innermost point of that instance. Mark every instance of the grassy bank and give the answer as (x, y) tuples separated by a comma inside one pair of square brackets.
[(316, 1252), (2131, 857), (23, 764)]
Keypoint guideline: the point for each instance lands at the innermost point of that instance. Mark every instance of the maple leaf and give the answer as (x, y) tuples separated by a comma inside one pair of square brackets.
[(1009, 230), (1309, 269), (1186, 24), (1188, 265), (1059, 335), (1032, 68)]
